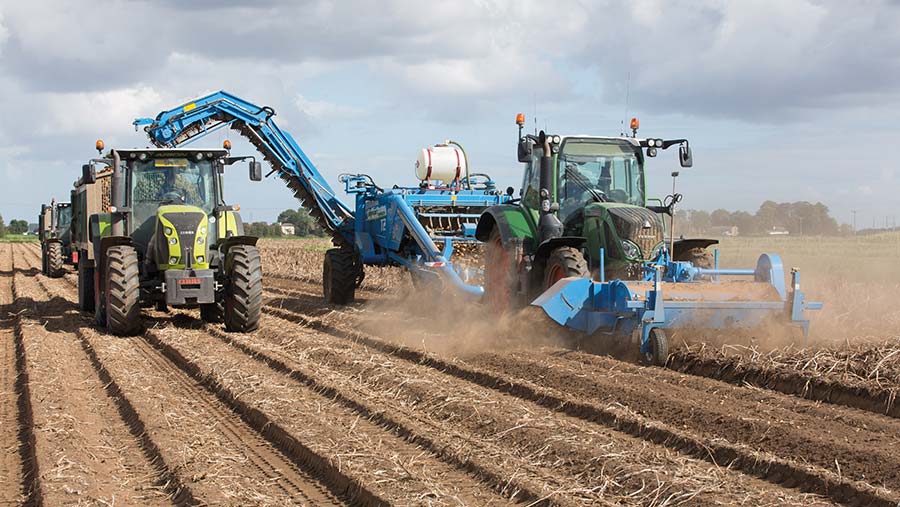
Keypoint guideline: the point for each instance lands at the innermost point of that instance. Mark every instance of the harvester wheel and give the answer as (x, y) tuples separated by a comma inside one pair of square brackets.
[(122, 297), (55, 260), (500, 273), (213, 313), (699, 257), (564, 262), (657, 349), (340, 273), (85, 286), (243, 292)]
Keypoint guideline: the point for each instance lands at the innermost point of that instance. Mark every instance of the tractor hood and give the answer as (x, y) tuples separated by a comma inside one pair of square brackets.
[(637, 224)]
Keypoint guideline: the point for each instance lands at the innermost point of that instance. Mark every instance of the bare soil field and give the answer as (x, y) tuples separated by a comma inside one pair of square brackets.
[(403, 399)]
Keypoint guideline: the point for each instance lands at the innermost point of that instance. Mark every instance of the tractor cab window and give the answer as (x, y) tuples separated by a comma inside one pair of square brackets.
[(598, 170), (64, 217), (163, 181), (531, 197)]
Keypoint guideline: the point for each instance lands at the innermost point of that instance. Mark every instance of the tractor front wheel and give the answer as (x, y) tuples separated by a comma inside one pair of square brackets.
[(213, 313), (565, 262), (85, 285), (340, 274), (657, 353), (123, 288), (55, 260), (243, 292)]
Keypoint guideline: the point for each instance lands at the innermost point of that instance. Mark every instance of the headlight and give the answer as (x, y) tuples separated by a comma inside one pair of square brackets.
[(172, 241), (631, 250), (200, 240), (203, 231), (168, 231), (200, 258), (556, 139), (173, 260)]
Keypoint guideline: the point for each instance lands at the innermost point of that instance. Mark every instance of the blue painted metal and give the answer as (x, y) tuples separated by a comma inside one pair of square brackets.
[(385, 227), (613, 308)]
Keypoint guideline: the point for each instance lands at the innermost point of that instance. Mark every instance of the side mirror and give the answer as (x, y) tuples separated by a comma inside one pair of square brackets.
[(685, 156), (524, 150), (255, 171), (88, 174), (510, 191)]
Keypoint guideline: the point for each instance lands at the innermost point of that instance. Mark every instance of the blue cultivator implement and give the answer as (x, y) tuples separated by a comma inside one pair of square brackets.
[(678, 296), (401, 226)]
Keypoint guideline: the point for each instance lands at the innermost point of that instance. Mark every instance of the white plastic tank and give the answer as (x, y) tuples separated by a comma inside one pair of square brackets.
[(441, 163)]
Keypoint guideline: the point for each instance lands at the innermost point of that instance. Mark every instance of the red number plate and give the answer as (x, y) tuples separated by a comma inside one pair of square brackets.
[(189, 281)]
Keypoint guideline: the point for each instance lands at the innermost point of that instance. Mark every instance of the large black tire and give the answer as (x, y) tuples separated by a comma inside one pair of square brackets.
[(341, 273), (500, 274), (55, 266), (564, 262), (699, 257), (213, 313), (658, 348), (44, 261), (123, 291), (85, 285), (243, 290)]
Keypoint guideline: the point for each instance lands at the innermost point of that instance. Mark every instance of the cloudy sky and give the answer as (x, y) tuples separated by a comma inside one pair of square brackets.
[(781, 99)]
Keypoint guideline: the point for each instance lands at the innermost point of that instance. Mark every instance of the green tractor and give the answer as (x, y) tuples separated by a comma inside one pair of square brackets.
[(56, 247), (583, 211), (154, 229)]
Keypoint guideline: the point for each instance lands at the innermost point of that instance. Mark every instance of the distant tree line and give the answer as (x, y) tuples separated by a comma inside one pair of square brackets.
[(304, 225), (797, 218)]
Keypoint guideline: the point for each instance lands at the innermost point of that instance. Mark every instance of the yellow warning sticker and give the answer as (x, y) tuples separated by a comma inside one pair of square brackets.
[(192, 105)]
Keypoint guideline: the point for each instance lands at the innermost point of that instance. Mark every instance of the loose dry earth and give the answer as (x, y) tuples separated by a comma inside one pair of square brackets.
[(400, 401)]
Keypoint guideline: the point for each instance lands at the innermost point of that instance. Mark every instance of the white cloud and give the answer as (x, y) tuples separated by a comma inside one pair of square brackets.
[(96, 113), (324, 110)]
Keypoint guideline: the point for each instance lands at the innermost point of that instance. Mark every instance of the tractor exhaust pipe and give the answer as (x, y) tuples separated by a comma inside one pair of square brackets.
[(549, 226), (117, 228)]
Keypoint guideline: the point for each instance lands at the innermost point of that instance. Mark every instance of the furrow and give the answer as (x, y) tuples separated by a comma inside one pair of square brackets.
[(772, 468)]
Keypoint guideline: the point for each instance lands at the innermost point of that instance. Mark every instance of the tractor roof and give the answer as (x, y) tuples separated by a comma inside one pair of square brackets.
[(217, 152), (631, 140)]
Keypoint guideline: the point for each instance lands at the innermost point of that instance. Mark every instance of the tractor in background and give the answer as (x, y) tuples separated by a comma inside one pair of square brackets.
[(153, 228), (55, 237)]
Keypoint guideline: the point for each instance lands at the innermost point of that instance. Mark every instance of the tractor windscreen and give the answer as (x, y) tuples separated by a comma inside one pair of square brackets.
[(599, 170), (160, 181), (65, 216)]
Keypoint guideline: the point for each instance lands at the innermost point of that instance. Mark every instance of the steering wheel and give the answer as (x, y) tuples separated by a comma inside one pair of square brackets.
[(595, 194), (618, 195), (172, 197)]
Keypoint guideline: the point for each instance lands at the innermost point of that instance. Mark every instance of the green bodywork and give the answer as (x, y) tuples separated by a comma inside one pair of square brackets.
[(170, 235)]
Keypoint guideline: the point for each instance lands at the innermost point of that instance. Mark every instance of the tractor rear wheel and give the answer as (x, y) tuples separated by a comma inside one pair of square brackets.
[(657, 349), (341, 273), (55, 260), (243, 291), (565, 262), (85, 285), (500, 273), (699, 257), (123, 291)]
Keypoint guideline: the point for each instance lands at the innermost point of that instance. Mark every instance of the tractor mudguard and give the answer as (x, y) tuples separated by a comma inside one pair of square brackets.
[(683, 245), (511, 220), (544, 249), (227, 243)]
